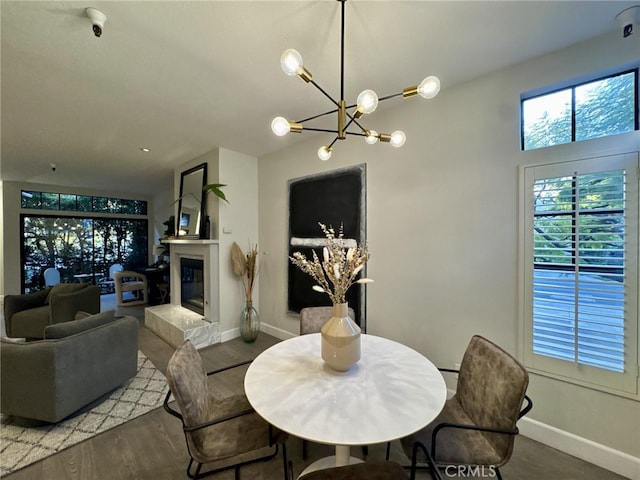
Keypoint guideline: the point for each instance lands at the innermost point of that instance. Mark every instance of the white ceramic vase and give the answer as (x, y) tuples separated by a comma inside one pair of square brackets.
[(340, 339)]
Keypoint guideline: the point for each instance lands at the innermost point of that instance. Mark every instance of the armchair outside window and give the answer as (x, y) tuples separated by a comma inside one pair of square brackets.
[(51, 277), (477, 426), (216, 428)]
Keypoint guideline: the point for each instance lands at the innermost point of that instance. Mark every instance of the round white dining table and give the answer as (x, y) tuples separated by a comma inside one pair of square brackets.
[(391, 392)]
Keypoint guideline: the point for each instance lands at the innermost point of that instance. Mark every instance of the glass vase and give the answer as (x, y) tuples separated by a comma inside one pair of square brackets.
[(249, 323)]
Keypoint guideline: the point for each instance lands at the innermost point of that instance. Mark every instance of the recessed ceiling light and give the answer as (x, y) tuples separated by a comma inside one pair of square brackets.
[(145, 149)]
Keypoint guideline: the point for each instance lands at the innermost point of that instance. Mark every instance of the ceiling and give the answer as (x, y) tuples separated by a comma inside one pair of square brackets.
[(184, 77)]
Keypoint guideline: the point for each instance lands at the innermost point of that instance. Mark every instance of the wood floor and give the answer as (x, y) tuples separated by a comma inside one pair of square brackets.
[(152, 446)]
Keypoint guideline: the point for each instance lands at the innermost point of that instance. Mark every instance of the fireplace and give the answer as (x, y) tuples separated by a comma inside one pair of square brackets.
[(194, 312), (194, 274), (192, 283)]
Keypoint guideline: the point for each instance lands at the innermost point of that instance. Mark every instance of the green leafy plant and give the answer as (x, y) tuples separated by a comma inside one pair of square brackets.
[(215, 188)]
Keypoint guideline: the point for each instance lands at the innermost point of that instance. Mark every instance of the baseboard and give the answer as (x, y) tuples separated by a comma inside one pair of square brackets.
[(276, 332), (266, 328), (606, 457)]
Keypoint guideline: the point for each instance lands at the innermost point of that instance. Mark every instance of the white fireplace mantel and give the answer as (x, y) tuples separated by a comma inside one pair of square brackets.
[(207, 251), (175, 323)]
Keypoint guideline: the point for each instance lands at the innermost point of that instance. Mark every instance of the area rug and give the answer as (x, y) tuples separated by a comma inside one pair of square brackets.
[(21, 445)]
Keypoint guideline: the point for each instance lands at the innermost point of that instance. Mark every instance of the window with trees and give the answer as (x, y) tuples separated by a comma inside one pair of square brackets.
[(580, 257), (81, 203), (601, 107), (82, 237)]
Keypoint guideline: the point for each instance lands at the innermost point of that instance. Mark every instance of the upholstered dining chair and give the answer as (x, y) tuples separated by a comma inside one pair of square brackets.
[(216, 427), (477, 426), (313, 318)]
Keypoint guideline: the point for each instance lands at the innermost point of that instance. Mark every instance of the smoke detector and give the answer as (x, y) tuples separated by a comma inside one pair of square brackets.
[(627, 18)]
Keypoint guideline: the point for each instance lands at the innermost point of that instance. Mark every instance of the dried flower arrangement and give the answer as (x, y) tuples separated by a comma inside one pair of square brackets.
[(246, 267), (339, 267)]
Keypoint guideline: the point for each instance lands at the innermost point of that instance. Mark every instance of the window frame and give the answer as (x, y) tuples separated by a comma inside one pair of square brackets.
[(623, 384), (572, 87)]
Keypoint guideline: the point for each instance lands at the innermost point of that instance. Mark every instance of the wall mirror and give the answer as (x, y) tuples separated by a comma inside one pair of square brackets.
[(191, 208)]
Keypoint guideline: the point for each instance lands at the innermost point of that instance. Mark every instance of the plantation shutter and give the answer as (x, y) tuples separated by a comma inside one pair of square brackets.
[(578, 255), (581, 254)]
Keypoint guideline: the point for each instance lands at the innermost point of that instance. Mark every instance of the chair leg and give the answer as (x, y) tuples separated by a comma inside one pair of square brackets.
[(386, 457), (195, 475), (431, 464), (498, 474), (284, 461)]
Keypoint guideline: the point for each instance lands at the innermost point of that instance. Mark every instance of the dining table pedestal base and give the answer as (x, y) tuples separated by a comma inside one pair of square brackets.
[(341, 458)]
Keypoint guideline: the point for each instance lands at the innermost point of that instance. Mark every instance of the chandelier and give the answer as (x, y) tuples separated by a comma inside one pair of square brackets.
[(367, 102)]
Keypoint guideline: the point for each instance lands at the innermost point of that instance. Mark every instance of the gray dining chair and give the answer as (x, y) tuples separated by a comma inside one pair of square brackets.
[(477, 426), (217, 427), (313, 318)]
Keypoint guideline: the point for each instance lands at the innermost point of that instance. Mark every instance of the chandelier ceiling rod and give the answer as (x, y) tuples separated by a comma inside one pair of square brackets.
[(367, 102)]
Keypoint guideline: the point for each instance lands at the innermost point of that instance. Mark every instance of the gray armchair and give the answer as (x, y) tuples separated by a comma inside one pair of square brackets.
[(77, 363), (27, 315)]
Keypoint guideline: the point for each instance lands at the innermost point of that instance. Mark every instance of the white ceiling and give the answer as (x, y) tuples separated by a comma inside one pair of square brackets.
[(183, 77)]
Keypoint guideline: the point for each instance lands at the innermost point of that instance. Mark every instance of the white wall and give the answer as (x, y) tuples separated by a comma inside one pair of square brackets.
[(1, 239), (442, 216), (236, 221)]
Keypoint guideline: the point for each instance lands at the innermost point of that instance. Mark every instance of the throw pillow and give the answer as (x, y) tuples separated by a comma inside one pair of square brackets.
[(66, 329), (64, 288)]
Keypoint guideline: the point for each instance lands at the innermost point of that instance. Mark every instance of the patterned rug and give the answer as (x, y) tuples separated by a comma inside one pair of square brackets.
[(22, 445)]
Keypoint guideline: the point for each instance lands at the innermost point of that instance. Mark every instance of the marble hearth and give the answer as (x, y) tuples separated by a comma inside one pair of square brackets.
[(175, 323)]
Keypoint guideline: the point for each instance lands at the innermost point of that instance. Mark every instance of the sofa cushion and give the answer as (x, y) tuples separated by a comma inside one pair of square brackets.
[(64, 288), (66, 329)]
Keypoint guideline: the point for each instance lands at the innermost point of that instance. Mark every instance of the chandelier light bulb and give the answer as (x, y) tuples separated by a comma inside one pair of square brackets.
[(367, 101), (398, 138), (371, 137), (324, 153), (280, 126), (291, 61), (429, 87)]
